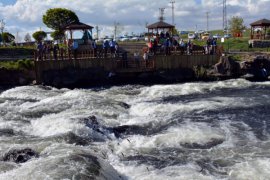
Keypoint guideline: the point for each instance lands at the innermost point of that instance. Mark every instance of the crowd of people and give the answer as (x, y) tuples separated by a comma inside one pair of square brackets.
[(164, 43), (45, 49), (110, 45), (49, 50)]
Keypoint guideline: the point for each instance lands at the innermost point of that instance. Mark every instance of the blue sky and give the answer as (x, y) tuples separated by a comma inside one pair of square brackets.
[(25, 16), (8, 2)]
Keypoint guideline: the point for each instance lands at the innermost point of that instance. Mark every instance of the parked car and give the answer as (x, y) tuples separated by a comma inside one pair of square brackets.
[(124, 39), (206, 36), (227, 36), (217, 36), (135, 38), (183, 32), (200, 32), (192, 36)]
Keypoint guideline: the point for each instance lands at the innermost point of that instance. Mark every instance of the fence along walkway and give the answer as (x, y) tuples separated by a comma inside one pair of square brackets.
[(122, 60)]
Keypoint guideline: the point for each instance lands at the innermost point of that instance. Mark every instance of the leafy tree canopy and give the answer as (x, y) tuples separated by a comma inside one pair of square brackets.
[(58, 35), (57, 18), (39, 35), (236, 24), (7, 37)]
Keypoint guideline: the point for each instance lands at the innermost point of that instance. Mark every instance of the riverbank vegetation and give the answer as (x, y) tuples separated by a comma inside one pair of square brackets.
[(23, 64)]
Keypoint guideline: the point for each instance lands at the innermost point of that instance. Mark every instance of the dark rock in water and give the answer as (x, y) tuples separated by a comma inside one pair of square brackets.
[(227, 66), (208, 167), (20, 156), (125, 130), (158, 162), (48, 88), (259, 68), (92, 122), (124, 105), (6, 132), (71, 138), (208, 145)]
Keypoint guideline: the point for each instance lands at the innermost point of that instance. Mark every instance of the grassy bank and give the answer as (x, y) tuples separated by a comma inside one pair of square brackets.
[(23, 64)]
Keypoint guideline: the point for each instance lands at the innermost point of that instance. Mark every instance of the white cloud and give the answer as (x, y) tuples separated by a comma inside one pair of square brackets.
[(26, 15)]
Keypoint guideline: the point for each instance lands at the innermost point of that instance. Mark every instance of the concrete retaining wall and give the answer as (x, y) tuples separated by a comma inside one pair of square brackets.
[(260, 43), (184, 61), (47, 70)]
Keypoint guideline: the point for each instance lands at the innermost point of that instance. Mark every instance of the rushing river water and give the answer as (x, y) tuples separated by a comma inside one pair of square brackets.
[(216, 130)]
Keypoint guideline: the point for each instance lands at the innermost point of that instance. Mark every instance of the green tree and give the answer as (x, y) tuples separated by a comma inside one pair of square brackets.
[(7, 37), (39, 35), (57, 18), (58, 35), (236, 25)]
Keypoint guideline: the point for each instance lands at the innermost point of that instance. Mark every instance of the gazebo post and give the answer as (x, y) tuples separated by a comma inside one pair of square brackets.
[(264, 32), (71, 34), (148, 35), (251, 32)]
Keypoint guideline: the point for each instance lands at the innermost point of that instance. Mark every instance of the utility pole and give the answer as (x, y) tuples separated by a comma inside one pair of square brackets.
[(161, 11), (225, 25), (97, 30), (17, 38), (207, 19), (2, 27), (116, 28), (172, 2)]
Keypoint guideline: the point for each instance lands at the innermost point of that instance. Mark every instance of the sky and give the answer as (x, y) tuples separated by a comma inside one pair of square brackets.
[(25, 16)]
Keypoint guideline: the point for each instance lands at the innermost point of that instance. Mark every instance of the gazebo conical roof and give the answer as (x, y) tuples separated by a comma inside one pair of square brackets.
[(160, 24), (78, 26), (262, 22)]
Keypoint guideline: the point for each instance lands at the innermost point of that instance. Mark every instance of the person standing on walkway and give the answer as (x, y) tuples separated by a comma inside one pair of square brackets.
[(105, 47), (112, 47), (55, 50), (75, 47)]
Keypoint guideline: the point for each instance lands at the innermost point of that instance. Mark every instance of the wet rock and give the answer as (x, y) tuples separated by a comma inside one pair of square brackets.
[(259, 67), (227, 66), (92, 123), (208, 167), (124, 105), (126, 130), (71, 138), (158, 162), (6, 132), (208, 145), (20, 156)]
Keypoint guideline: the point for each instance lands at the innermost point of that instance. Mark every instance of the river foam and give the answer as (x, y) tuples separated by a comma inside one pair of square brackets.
[(213, 130)]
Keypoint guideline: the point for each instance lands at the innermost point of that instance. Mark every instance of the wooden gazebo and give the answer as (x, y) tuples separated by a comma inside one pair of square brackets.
[(262, 26), (78, 26), (159, 26)]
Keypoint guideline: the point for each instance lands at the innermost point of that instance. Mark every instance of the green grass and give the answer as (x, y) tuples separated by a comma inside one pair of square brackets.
[(23, 64)]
